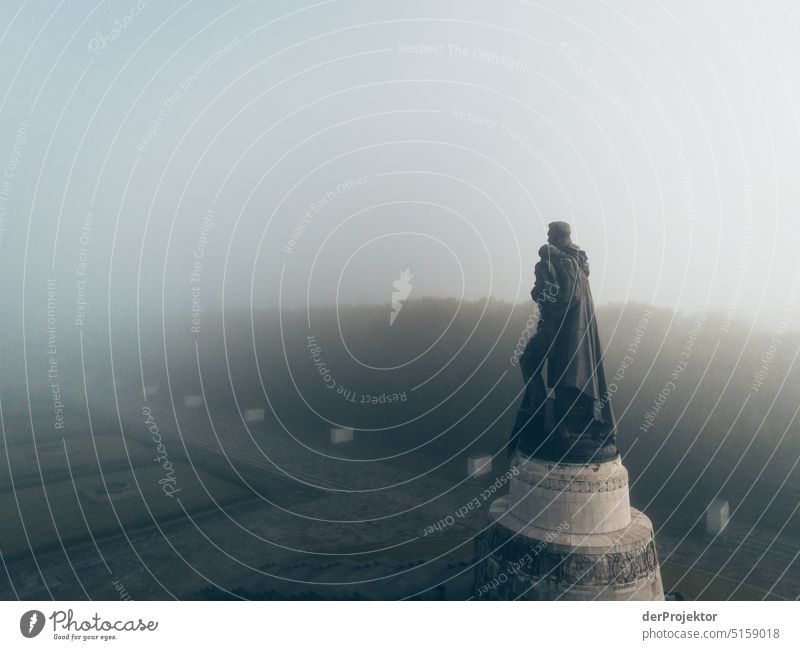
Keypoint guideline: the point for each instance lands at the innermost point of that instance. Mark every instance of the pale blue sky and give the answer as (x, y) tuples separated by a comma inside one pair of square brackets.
[(667, 134)]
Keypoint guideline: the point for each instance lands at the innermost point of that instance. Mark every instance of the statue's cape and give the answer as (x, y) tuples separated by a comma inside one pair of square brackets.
[(576, 360)]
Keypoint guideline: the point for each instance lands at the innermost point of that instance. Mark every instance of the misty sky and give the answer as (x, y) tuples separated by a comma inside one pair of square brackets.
[(285, 151)]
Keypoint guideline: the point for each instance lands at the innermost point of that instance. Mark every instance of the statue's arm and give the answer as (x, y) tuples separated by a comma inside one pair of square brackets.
[(536, 292), (568, 287), (545, 287), (547, 291)]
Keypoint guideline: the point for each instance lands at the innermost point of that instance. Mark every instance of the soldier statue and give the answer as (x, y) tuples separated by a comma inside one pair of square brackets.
[(573, 421)]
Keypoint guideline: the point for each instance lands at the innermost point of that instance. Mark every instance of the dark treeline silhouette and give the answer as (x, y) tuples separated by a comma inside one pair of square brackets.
[(703, 405)]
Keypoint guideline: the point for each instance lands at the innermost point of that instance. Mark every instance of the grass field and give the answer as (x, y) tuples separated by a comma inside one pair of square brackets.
[(70, 510), (83, 453), (704, 585)]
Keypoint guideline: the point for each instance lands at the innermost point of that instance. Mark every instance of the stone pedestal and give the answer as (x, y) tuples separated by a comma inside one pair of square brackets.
[(567, 532)]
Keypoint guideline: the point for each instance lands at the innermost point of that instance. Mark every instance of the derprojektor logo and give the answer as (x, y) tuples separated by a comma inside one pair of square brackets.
[(31, 623)]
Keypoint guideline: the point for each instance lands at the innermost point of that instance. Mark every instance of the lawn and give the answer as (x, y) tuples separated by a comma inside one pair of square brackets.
[(83, 453), (697, 580), (131, 510)]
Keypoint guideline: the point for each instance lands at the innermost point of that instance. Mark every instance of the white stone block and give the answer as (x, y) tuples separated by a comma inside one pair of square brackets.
[(193, 401), (341, 435), (717, 515), (254, 415), (479, 465)]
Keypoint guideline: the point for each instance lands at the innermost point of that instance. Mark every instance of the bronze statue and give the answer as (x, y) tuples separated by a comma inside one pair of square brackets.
[(576, 423)]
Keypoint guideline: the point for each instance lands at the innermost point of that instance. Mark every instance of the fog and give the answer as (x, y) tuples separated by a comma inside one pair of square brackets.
[(444, 136), (279, 206)]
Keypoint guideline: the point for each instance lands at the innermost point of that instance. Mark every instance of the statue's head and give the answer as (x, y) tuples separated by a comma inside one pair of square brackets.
[(558, 233)]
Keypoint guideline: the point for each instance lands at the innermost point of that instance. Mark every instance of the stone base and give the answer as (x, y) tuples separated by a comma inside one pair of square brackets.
[(567, 532), (516, 561), (589, 498)]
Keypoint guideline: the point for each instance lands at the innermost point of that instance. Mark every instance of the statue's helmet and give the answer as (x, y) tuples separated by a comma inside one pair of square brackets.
[(558, 232)]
